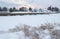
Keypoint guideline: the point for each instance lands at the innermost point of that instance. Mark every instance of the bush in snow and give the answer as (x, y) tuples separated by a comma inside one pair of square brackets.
[(16, 29), (26, 30), (48, 29), (55, 34), (48, 26)]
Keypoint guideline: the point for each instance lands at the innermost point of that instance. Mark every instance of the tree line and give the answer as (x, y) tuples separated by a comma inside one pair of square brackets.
[(3, 9), (25, 9), (53, 8)]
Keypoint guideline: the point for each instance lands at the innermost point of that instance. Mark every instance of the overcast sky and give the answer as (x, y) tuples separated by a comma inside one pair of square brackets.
[(30, 3)]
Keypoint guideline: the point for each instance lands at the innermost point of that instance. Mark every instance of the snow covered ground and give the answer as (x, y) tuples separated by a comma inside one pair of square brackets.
[(10, 22)]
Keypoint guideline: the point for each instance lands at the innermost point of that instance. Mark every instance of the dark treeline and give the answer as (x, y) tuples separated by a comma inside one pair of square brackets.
[(3, 9), (53, 8), (25, 9)]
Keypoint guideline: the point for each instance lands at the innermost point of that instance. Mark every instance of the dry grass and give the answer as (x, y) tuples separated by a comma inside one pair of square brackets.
[(55, 34), (26, 30), (31, 31), (16, 29)]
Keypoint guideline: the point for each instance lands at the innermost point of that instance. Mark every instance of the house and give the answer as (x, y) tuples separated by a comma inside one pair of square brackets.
[(4, 13)]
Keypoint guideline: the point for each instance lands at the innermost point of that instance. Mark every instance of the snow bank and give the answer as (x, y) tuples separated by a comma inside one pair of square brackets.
[(34, 22), (7, 22), (8, 36)]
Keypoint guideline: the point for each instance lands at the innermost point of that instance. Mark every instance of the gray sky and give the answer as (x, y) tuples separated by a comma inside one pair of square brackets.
[(30, 3)]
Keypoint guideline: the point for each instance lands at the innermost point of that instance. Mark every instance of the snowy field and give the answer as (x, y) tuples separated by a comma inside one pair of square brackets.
[(10, 22)]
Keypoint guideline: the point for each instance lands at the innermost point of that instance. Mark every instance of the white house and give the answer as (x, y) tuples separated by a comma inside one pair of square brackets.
[(4, 12)]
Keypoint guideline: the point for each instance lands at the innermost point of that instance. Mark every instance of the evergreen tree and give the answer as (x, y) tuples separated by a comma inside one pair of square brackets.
[(30, 9), (0, 9), (14, 9), (4, 8), (49, 8), (11, 10)]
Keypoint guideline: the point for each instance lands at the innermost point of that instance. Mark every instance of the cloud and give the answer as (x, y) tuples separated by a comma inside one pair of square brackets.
[(20, 2), (34, 3)]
